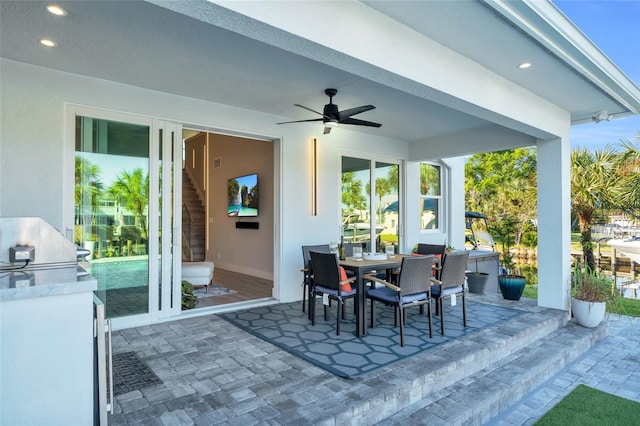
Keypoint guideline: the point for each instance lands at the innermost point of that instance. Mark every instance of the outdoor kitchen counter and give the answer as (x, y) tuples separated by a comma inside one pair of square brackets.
[(33, 283), (488, 262), (47, 351)]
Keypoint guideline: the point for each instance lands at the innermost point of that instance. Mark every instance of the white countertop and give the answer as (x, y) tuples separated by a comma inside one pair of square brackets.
[(32, 283)]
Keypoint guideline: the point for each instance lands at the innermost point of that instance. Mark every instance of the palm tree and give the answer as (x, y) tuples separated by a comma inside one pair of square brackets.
[(132, 190), (88, 188), (629, 169), (594, 186)]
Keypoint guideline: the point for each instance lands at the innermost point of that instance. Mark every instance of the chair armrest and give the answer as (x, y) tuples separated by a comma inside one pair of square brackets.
[(383, 282), (348, 280), (433, 280)]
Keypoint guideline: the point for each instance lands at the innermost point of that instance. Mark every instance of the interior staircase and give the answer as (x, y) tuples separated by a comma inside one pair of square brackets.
[(193, 222)]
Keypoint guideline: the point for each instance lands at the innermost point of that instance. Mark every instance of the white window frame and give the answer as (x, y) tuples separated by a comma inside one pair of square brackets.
[(442, 197)]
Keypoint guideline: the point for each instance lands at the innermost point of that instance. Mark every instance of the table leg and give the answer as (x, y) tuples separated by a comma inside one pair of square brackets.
[(361, 300)]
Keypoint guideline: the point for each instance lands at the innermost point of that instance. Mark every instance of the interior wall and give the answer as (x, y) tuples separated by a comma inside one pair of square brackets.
[(248, 251), (195, 161)]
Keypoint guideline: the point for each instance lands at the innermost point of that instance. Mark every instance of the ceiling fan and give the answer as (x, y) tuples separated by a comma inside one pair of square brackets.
[(331, 117)]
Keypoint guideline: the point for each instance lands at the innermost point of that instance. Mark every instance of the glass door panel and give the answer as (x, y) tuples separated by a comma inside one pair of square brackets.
[(112, 210), (387, 205), (370, 213), (356, 201)]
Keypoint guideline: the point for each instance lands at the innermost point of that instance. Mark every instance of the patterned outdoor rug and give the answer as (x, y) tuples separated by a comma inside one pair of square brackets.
[(213, 290), (131, 373), (286, 326)]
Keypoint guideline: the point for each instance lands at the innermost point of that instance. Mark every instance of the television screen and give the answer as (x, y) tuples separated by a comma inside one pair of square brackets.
[(242, 196)]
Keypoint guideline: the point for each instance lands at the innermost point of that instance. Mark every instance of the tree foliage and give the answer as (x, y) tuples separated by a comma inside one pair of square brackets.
[(88, 186), (131, 189), (352, 197), (503, 185)]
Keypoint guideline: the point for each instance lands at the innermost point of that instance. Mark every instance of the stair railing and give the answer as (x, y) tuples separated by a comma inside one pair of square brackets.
[(187, 220)]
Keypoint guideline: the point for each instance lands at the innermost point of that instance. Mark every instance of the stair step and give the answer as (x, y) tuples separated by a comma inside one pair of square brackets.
[(484, 394)]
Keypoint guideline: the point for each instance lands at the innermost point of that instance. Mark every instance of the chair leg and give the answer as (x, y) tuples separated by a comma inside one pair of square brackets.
[(340, 307), (464, 310), (401, 315), (441, 315), (326, 316), (373, 314), (304, 296), (312, 308), (429, 315)]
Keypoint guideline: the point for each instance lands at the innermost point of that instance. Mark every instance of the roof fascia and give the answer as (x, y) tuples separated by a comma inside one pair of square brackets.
[(543, 22)]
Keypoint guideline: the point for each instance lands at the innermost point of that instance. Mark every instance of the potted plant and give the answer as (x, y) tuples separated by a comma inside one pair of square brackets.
[(477, 281), (590, 290), (511, 283), (189, 300)]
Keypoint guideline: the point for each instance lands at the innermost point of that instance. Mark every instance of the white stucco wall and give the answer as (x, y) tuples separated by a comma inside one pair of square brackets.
[(35, 146)]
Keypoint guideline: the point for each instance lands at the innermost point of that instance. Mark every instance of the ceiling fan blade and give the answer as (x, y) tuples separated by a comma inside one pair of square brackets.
[(353, 111), (326, 130), (359, 122), (309, 109), (302, 121)]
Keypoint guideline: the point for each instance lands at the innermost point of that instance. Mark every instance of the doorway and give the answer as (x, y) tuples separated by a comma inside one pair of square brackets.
[(219, 171)]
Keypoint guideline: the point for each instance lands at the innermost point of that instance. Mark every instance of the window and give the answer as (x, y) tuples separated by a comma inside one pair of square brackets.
[(370, 215), (430, 196)]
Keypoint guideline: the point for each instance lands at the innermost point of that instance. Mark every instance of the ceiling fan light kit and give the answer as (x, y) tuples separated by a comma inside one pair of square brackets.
[(332, 116)]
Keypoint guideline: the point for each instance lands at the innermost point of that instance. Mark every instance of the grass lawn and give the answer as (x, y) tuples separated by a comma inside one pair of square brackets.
[(588, 406), (622, 306)]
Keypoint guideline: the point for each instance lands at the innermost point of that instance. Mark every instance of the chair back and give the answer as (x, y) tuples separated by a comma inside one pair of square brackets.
[(306, 250), (414, 274), (326, 271), (454, 266), (348, 248), (435, 249)]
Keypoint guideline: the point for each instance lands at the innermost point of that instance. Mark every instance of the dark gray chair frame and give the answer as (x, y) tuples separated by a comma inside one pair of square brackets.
[(451, 282), (413, 289), (306, 270), (326, 280), (434, 249)]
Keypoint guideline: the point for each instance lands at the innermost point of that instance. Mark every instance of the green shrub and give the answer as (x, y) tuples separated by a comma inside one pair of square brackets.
[(189, 301)]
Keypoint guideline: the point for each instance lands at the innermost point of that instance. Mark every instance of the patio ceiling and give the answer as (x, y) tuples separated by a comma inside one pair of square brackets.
[(206, 51)]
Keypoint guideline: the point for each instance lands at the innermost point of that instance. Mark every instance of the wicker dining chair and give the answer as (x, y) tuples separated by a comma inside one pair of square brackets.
[(326, 281), (451, 284), (412, 289), (306, 270)]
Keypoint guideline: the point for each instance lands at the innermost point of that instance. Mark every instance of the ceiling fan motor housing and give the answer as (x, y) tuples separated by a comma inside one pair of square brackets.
[(331, 110)]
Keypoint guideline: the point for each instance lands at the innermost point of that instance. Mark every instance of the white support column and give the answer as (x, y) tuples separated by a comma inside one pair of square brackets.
[(554, 223)]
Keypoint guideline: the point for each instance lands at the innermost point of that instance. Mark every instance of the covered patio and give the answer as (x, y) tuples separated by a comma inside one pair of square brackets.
[(213, 372)]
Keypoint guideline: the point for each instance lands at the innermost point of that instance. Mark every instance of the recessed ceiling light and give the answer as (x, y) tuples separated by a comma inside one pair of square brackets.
[(524, 65), (54, 9), (47, 42)]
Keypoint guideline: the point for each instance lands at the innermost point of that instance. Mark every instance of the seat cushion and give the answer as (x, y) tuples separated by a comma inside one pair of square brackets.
[(387, 295), (197, 273), (435, 291)]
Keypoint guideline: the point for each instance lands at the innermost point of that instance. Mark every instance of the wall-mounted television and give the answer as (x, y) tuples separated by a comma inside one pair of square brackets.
[(242, 196)]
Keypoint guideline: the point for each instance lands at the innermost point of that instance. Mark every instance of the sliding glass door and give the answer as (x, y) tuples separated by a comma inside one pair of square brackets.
[(124, 210), (370, 202)]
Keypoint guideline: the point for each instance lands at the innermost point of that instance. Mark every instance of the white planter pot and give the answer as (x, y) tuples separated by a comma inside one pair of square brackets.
[(588, 314)]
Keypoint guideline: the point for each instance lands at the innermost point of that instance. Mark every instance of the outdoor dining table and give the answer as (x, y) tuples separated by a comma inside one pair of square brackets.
[(360, 268)]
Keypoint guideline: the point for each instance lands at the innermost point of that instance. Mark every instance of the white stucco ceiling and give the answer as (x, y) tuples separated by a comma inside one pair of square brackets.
[(207, 51)]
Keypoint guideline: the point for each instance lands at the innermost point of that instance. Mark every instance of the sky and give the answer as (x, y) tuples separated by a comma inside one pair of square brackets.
[(614, 26)]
